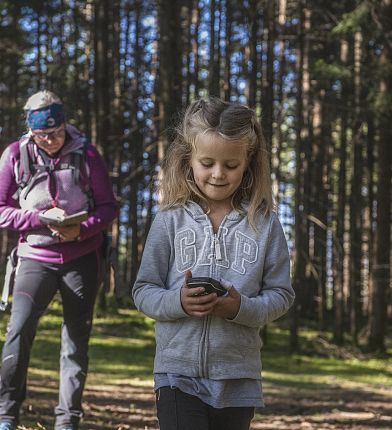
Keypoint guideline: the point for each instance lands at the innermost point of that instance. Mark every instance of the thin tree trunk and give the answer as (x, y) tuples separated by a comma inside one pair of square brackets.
[(356, 203), (253, 54), (137, 140), (268, 81), (228, 51), (170, 73), (188, 53), (339, 251), (319, 209), (213, 74), (195, 47), (301, 250), (276, 164), (117, 128)]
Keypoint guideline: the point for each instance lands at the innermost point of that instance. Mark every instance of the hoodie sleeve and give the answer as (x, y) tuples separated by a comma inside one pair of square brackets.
[(277, 294), (150, 293), (11, 215)]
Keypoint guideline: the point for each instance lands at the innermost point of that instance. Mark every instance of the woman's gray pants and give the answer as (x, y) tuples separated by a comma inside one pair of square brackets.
[(36, 284)]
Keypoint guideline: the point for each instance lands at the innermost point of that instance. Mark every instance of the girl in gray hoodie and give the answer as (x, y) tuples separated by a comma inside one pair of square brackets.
[(216, 220)]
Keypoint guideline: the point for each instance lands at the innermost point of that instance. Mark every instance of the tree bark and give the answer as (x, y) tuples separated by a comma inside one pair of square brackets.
[(356, 205), (170, 69), (301, 250), (381, 272)]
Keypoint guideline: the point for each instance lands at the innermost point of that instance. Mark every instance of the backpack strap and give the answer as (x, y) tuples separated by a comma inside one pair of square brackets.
[(26, 164), (77, 158), (79, 162), (9, 279)]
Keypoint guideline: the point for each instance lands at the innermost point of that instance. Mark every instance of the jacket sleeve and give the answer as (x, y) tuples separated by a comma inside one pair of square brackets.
[(105, 205), (276, 295), (11, 215), (150, 294)]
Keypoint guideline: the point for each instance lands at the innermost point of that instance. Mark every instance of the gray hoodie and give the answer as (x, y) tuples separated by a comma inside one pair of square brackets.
[(255, 262)]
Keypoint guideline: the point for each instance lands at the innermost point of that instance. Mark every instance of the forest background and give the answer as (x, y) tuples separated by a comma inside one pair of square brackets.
[(318, 74)]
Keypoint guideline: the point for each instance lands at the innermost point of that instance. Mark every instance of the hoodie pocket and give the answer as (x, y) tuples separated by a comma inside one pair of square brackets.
[(231, 341), (179, 339)]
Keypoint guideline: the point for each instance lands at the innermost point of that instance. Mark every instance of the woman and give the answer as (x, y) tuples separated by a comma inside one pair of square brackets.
[(52, 170)]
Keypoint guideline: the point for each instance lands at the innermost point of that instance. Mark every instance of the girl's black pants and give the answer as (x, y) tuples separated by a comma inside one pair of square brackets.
[(180, 411)]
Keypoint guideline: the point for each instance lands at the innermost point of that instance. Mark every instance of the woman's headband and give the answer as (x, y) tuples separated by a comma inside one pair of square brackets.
[(47, 117)]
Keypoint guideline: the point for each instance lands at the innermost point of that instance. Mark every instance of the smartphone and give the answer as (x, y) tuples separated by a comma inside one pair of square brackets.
[(210, 285)]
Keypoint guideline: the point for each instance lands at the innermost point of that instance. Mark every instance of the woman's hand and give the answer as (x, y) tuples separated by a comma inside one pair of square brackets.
[(194, 304), (228, 305), (67, 233)]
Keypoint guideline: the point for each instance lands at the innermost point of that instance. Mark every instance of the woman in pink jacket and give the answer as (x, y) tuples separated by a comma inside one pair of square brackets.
[(52, 170)]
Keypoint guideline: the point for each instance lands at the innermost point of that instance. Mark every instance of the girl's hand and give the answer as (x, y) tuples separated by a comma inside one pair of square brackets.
[(228, 305), (65, 233), (194, 305)]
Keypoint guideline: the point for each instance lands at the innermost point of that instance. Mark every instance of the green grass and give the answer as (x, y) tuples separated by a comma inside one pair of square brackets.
[(122, 346), (316, 370)]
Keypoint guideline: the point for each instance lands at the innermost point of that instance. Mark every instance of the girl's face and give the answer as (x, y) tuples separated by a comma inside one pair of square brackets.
[(218, 167)]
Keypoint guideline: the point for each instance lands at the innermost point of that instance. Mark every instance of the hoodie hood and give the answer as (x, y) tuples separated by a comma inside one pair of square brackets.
[(198, 214), (75, 140)]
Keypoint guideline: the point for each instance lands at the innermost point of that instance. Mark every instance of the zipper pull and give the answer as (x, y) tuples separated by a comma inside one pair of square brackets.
[(218, 253)]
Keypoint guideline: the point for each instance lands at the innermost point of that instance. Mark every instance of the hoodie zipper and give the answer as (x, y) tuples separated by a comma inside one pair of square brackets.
[(217, 248), (217, 256)]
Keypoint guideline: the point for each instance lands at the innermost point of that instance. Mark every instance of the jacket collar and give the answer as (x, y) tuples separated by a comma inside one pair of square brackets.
[(197, 212)]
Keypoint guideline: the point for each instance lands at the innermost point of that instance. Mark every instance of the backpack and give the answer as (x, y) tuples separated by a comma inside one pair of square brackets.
[(28, 168)]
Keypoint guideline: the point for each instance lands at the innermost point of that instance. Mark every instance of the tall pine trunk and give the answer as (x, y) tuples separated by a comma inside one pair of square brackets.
[(301, 250), (356, 201), (381, 271)]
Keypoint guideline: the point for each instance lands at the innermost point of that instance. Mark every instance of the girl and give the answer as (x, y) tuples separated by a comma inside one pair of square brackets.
[(216, 221)]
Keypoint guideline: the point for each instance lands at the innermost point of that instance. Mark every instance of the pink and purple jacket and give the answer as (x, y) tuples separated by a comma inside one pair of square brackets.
[(35, 239)]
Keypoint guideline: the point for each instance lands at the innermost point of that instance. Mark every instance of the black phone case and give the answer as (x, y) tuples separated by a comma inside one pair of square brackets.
[(210, 285)]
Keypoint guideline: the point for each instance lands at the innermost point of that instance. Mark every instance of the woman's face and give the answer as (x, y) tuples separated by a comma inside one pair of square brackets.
[(50, 140)]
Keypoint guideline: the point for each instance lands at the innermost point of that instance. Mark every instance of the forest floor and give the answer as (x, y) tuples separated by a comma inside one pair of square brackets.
[(131, 407), (321, 388)]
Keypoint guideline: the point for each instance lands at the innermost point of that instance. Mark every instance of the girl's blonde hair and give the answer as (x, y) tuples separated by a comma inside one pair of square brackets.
[(41, 99), (230, 121)]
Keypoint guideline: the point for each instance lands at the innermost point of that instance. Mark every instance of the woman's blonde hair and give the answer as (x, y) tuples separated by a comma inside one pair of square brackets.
[(230, 121), (41, 99)]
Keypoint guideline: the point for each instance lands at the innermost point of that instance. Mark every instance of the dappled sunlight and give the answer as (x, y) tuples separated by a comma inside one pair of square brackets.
[(302, 392)]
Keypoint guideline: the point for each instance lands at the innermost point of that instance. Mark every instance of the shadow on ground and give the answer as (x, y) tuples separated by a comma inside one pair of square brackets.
[(132, 407)]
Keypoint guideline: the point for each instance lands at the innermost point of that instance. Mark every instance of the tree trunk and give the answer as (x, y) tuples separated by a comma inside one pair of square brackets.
[(381, 272), (195, 47), (228, 50), (214, 66), (339, 250), (319, 209), (170, 65), (268, 80), (276, 163), (301, 250), (117, 128), (102, 80), (356, 203), (253, 54)]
